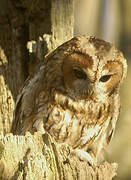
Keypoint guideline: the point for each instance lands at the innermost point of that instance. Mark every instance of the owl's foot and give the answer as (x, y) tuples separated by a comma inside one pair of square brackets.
[(85, 156), (39, 126)]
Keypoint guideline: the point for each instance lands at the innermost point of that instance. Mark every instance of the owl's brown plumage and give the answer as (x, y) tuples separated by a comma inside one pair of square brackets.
[(74, 96)]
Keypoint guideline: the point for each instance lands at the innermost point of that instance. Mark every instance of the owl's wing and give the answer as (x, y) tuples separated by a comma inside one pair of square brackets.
[(25, 105), (23, 110), (115, 116)]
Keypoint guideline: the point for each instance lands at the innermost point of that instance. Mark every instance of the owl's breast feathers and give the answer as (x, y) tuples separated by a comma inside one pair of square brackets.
[(82, 123)]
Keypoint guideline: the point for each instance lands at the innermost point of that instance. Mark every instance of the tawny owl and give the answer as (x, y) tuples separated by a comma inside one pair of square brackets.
[(74, 96)]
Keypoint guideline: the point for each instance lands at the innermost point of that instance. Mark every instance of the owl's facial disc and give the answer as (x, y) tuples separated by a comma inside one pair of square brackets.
[(77, 82)]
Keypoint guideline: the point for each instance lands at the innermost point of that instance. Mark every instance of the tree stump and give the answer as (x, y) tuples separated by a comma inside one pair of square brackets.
[(38, 156)]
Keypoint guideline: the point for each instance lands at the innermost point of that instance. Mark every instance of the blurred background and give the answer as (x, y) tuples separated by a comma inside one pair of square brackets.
[(111, 21)]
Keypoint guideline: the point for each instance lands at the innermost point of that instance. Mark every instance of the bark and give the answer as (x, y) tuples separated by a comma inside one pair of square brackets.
[(39, 25), (12, 64), (49, 29), (39, 157)]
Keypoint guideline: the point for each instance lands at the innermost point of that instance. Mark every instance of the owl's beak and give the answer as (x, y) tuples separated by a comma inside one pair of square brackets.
[(91, 94)]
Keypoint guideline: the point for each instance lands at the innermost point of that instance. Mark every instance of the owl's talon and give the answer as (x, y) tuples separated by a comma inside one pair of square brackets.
[(39, 126), (85, 156)]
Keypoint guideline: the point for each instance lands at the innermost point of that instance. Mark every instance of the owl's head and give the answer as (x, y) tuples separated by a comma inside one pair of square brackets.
[(90, 68)]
